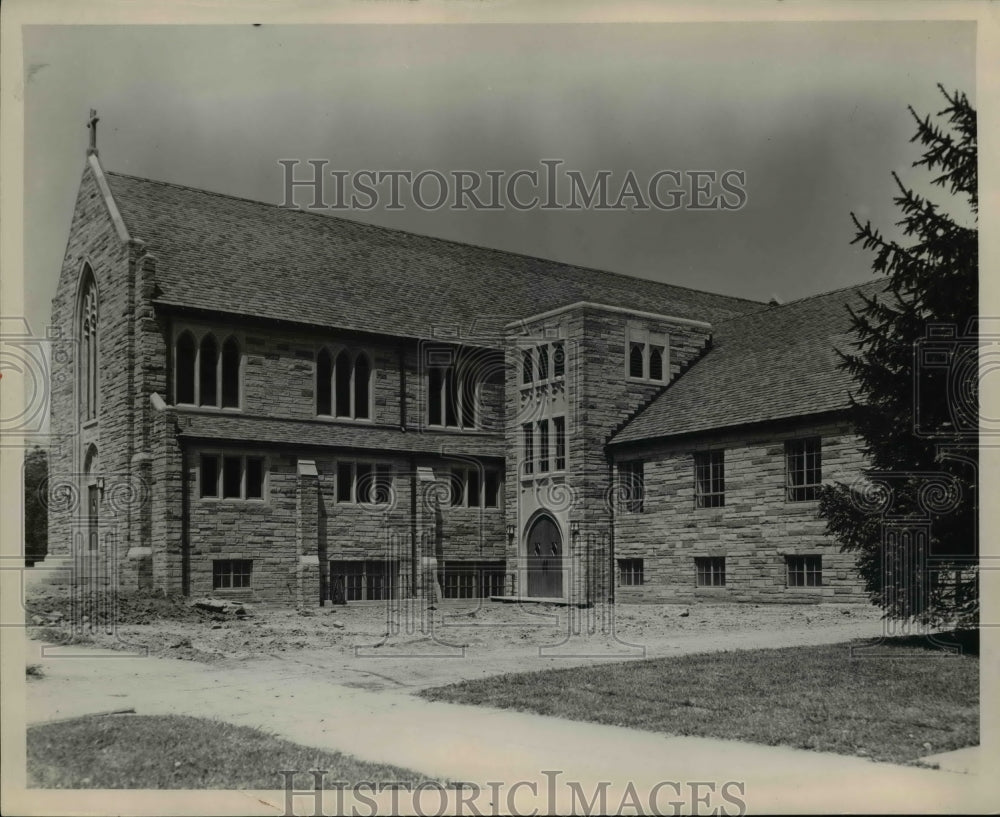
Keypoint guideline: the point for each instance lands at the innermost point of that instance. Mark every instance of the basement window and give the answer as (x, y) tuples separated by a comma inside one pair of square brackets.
[(472, 580), (363, 580), (710, 571), (232, 574), (804, 571), (630, 572)]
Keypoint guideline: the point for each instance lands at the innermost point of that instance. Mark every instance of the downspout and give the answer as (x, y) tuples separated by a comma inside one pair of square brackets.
[(135, 250), (170, 390), (185, 525), (401, 352), (402, 387), (611, 527), (413, 527)]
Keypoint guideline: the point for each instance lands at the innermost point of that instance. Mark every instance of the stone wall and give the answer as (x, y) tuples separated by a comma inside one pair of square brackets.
[(117, 429), (279, 373), (300, 526), (755, 529)]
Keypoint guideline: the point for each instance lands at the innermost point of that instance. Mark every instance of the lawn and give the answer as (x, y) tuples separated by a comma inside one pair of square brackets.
[(899, 707), (180, 752)]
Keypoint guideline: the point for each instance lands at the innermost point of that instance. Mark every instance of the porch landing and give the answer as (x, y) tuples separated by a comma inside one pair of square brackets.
[(538, 600)]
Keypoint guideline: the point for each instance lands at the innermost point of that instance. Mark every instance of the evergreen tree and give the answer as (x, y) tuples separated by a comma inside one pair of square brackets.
[(916, 399), (36, 534)]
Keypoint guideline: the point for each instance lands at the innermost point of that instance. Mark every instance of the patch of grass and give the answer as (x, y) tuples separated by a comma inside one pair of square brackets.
[(34, 671), (179, 752), (899, 703)]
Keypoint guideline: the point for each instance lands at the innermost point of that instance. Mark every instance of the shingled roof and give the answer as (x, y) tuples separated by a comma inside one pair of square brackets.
[(769, 365), (234, 255)]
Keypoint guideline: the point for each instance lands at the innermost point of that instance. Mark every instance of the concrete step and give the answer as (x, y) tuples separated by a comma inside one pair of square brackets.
[(64, 570)]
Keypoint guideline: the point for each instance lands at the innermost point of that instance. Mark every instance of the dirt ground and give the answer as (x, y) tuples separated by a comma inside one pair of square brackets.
[(410, 646)]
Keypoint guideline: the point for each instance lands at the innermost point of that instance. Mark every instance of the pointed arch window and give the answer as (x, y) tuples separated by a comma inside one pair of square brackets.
[(635, 361), (543, 362), (558, 359), (230, 373), (362, 382), (187, 355), (89, 362), (648, 354), (656, 363), (435, 394), (527, 366), (205, 373), (208, 364), (469, 402), (343, 385), (324, 382)]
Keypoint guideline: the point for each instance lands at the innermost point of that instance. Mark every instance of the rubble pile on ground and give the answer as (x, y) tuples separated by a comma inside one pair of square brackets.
[(223, 608), (77, 606)]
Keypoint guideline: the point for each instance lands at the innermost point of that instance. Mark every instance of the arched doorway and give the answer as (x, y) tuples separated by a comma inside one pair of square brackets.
[(545, 559)]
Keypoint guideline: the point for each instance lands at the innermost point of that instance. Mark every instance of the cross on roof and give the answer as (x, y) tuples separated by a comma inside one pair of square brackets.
[(92, 126)]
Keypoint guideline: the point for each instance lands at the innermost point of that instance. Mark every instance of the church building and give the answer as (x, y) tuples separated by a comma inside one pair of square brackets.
[(282, 406)]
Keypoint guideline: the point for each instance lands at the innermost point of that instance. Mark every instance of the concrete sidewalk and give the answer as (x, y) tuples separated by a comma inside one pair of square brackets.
[(481, 745)]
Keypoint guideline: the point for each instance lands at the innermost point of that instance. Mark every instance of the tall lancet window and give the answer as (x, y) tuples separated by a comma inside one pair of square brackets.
[(343, 385), (89, 369)]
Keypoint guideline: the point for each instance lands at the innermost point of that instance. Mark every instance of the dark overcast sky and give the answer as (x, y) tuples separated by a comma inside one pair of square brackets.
[(815, 114)]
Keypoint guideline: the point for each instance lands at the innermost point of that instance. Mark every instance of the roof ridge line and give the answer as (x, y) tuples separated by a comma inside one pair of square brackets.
[(834, 291), (778, 307), (383, 228)]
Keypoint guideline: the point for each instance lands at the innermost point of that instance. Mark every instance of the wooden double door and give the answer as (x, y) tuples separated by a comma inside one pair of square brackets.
[(545, 559)]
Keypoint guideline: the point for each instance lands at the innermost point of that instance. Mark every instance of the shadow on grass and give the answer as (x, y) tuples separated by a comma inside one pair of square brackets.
[(952, 642)]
